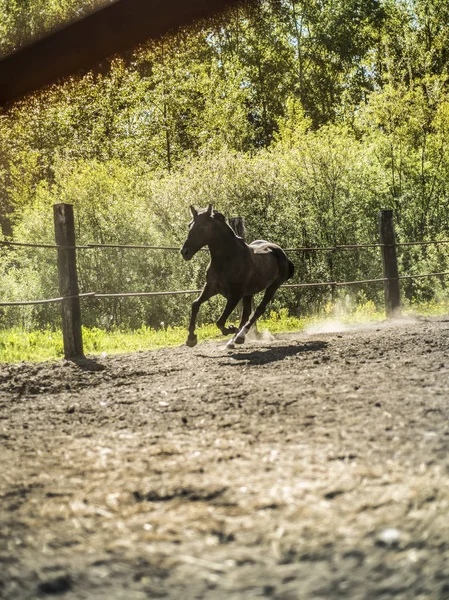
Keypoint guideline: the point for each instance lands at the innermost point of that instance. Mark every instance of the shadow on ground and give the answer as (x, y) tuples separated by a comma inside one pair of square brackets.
[(270, 353)]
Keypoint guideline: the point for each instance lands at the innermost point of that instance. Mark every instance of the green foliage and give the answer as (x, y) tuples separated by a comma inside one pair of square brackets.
[(21, 21), (18, 345)]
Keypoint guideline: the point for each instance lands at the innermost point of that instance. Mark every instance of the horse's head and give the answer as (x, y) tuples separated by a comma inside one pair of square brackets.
[(200, 230)]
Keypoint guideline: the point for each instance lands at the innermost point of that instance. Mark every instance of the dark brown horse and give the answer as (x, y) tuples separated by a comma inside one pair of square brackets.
[(237, 271)]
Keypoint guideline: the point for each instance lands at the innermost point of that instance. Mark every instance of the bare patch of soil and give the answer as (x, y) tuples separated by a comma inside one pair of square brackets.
[(311, 466)]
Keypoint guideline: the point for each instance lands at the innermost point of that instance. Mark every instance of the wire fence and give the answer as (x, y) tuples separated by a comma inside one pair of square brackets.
[(177, 248), (336, 284), (70, 296)]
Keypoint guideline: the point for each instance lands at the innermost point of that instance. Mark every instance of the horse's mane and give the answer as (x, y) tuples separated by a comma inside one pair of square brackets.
[(219, 216)]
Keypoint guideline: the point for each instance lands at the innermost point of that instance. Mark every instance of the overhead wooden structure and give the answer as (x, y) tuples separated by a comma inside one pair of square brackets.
[(81, 45)]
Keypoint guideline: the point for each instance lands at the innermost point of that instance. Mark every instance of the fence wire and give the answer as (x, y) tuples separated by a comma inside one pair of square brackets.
[(48, 301), (92, 246), (180, 292)]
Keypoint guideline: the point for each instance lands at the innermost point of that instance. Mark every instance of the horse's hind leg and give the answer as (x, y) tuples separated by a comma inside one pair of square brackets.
[(269, 293), (221, 323), (246, 311), (205, 295)]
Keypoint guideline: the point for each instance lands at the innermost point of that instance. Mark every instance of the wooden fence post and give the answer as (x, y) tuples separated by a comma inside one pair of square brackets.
[(68, 280), (390, 264), (238, 225)]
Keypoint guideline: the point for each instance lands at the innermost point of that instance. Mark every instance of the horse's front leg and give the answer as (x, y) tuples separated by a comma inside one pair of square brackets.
[(207, 293)]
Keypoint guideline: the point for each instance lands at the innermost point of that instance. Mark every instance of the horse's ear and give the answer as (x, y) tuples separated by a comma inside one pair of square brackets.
[(193, 211), (209, 210)]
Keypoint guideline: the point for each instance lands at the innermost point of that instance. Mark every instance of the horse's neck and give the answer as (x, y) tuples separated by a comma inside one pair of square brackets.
[(224, 243)]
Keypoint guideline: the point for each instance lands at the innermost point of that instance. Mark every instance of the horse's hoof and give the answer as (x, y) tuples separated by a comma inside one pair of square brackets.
[(230, 345), (240, 338), (192, 341)]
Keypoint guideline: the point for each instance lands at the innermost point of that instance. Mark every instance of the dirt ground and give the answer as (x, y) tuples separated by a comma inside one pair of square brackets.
[(312, 466)]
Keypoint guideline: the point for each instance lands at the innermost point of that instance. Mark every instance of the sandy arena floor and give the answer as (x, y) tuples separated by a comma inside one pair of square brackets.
[(308, 467)]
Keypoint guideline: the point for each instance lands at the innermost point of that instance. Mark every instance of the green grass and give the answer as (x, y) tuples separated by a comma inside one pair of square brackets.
[(17, 345)]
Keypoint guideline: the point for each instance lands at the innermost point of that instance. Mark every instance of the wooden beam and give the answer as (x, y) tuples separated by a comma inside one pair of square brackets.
[(114, 29)]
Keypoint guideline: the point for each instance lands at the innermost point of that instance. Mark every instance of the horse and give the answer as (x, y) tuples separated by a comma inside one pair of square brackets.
[(237, 271)]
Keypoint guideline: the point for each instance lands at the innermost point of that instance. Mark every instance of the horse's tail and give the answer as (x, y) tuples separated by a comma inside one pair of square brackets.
[(285, 264)]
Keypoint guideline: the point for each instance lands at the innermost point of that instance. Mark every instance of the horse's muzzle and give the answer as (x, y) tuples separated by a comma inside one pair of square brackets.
[(185, 253)]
